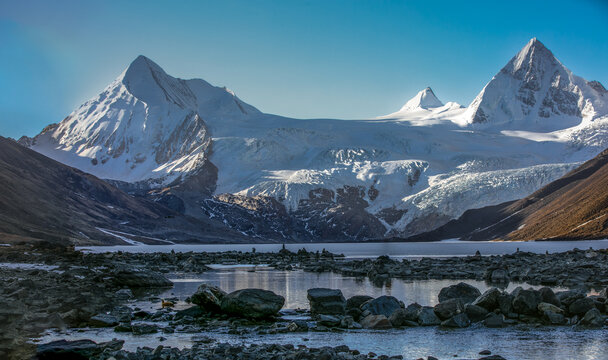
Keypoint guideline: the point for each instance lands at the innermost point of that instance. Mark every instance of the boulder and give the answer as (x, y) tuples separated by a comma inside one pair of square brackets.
[(136, 279), (467, 293), (427, 317), (489, 299), (548, 296), (593, 318), (252, 303), (326, 301), (377, 322), (581, 306), (328, 320), (124, 294), (526, 301), (208, 297), (475, 313), (103, 320), (449, 308), (494, 320), (77, 349), (384, 305), (397, 318), (543, 306), (405, 317), (457, 321), (568, 297), (193, 312), (356, 301)]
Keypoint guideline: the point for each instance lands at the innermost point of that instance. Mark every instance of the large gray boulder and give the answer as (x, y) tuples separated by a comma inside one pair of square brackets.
[(548, 296), (208, 297), (475, 313), (383, 305), (463, 291), (489, 299), (252, 303), (326, 301), (526, 301), (407, 316), (427, 317), (581, 306), (568, 297), (593, 318), (449, 308)]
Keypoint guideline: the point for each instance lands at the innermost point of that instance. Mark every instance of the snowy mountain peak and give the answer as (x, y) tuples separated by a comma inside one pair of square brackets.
[(534, 91), (531, 60), (148, 82), (145, 126), (425, 99)]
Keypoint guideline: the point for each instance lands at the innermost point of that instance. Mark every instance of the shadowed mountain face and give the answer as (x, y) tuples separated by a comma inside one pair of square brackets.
[(574, 207), (44, 199)]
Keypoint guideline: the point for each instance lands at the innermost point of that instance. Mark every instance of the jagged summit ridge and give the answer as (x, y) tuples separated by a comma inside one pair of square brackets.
[(424, 99), (536, 91)]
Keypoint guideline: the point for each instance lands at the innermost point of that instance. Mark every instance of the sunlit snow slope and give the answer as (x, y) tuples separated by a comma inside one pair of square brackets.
[(398, 174)]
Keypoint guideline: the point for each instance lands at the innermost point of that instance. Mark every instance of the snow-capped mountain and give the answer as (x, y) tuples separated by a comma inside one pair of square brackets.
[(534, 90), (425, 99), (398, 174), (146, 126)]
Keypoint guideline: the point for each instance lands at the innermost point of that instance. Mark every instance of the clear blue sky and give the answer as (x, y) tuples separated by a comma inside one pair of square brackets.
[(342, 59)]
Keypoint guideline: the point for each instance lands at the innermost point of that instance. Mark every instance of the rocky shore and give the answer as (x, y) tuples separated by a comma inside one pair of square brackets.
[(63, 288), (582, 269)]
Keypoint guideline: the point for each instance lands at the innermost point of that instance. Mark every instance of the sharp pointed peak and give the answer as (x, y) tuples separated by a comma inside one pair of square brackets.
[(424, 99), (534, 48), (142, 62)]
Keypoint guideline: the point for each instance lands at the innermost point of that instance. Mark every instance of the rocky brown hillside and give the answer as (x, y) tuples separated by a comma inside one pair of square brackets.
[(574, 207), (44, 199)]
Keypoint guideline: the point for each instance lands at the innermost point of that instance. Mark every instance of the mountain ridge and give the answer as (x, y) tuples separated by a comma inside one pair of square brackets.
[(400, 174)]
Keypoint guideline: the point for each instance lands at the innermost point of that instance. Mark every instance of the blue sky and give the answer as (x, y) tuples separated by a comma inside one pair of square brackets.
[(306, 59)]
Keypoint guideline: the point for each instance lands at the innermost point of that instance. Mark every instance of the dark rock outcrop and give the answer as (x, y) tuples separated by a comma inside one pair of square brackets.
[(326, 301), (252, 303), (467, 293)]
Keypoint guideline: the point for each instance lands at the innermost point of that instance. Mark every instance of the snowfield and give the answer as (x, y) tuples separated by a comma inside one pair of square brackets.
[(532, 123)]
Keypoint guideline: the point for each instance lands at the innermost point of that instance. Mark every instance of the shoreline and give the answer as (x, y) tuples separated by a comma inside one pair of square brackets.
[(107, 276)]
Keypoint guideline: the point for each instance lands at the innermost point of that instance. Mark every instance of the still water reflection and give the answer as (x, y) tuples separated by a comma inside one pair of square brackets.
[(293, 285)]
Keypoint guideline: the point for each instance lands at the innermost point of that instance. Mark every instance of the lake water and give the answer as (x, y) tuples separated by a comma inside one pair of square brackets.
[(393, 249), (519, 342), (293, 285)]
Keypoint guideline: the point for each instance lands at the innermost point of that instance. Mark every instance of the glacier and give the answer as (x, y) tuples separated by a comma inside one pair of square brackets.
[(395, 175)]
